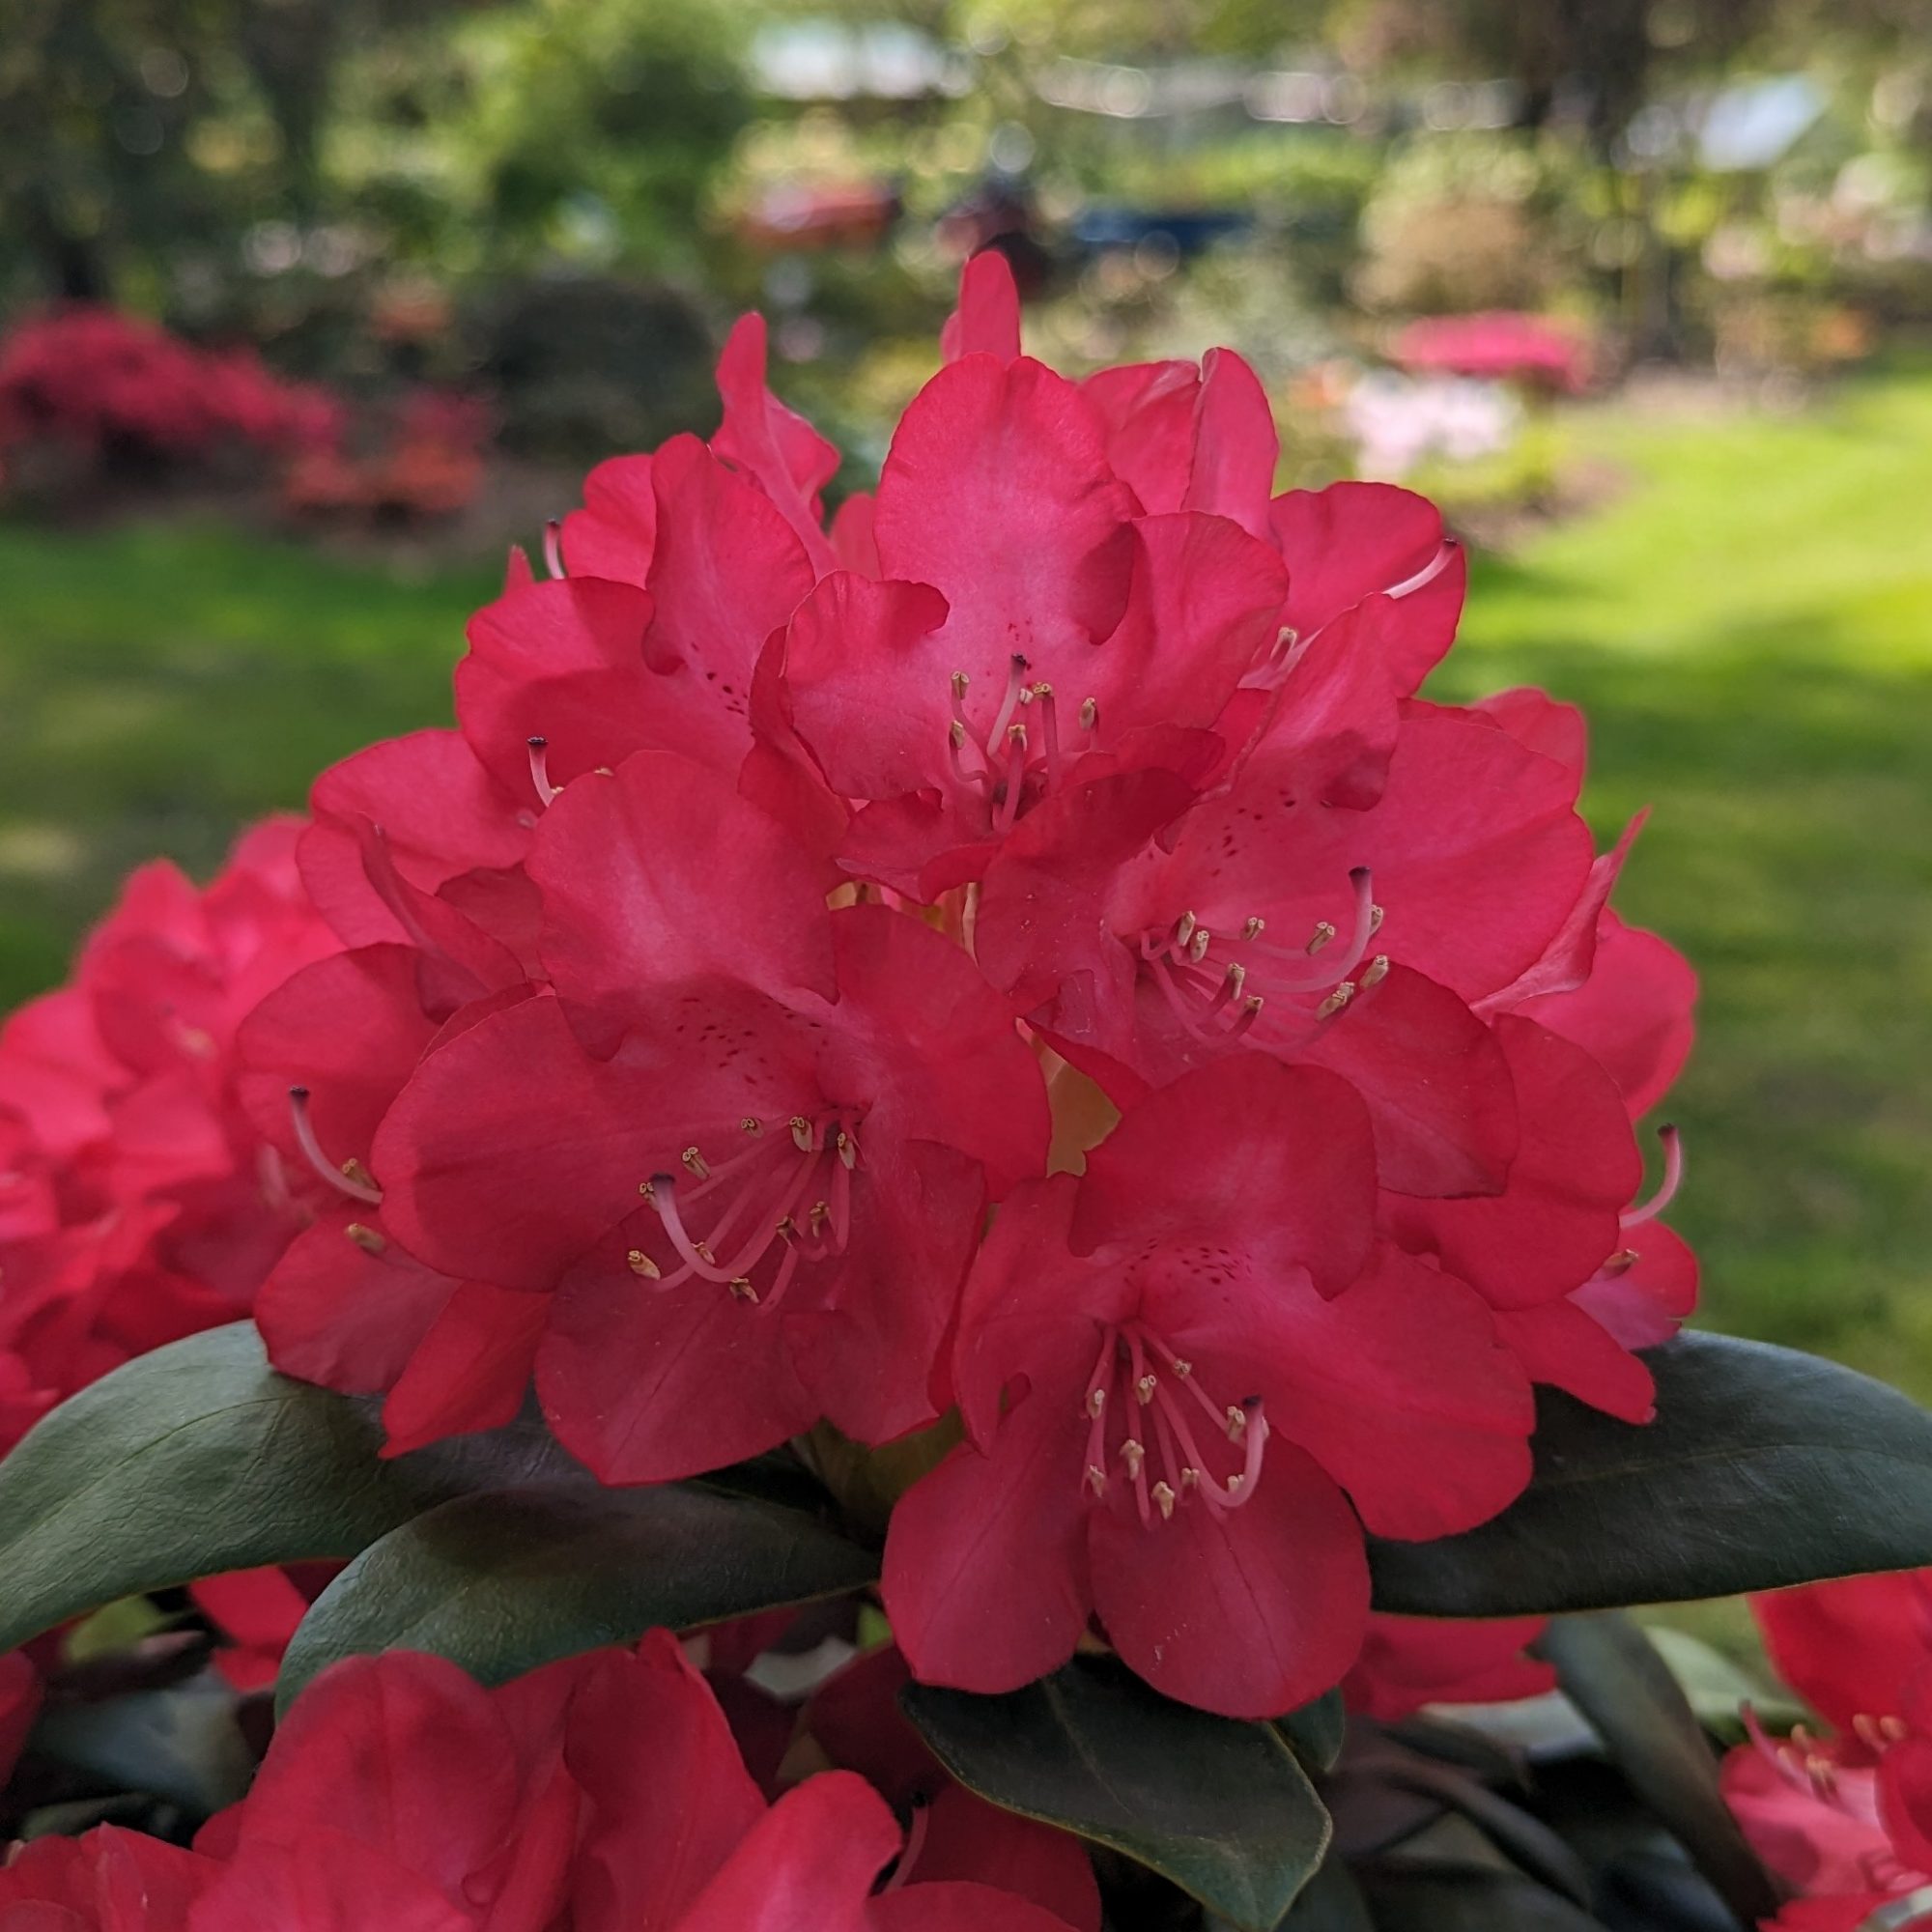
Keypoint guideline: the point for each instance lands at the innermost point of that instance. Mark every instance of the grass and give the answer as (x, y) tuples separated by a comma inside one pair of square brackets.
[(161, 685), (1749, 623), (1749, 627)]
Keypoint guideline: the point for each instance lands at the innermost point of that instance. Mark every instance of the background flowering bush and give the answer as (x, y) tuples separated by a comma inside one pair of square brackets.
[(112, 385), (990, 1052)]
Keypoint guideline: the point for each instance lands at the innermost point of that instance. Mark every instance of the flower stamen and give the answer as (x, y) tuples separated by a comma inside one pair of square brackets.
[(352, 1178)]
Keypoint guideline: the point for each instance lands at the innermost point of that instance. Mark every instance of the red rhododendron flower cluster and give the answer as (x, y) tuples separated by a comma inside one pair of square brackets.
[(1022, 946), (604, 1793), (1846, 1820), (100, 378), (137, 1203)]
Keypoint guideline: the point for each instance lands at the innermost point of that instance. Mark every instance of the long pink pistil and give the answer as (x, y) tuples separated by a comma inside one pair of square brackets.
[(344, 1180), (1130, 1401), (1020, 756), (1332, 967), (1672, 1143), (766, 1184)]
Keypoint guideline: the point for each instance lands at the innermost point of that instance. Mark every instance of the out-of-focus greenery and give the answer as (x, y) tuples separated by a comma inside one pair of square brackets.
[(1751, 631), (162, 684), (583, 130)]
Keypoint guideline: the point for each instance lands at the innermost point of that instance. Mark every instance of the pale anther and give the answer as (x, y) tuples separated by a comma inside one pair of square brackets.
[(801, 1133), (1097, 1476), (1163, 1497), (1324, 932), (742, 1287), (1375, 972), (696, 1163), (1133, 1454), (1336, 999), (1183, 930), (1097, 1401), (1090, 714), (1143, 1389), (365, 1238), (1254, 928), (642, 1265), (1238, 1422), (1197, 946), (959, 683)]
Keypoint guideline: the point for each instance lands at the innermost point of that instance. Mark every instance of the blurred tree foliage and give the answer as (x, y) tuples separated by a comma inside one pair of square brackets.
[(129, 126), (582, 129), (142, 140)]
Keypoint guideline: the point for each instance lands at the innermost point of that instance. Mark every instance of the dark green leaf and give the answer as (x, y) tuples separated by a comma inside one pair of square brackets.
[(1608, 1670), (198, 1459), (1315, 1732), (1524, 1840), (1719, 1691), (1764, 1468), (1220, 1807), (507, 1580), (1424, 1897), (1659, 1892), (1332, 1902), (181, 1744), (1450, 1741)]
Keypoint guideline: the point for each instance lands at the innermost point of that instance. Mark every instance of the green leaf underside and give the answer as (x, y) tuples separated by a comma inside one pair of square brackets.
[(199, 1459), (1610, 1670), (1764, 1468), (1315, 1732), (1425, 1897), (1331, 1902), (1220, 1807), (507, 1580)]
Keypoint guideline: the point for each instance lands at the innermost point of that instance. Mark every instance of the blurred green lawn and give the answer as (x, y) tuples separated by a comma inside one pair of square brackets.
[(1749, 623)]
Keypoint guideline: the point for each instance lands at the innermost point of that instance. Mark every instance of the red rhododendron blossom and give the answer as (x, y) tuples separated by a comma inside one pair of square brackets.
[(1846, 1820), (675, 1037), (855, 1719), (1177, 1372), (604, 1793), (1408, 1663), (738, 1157)]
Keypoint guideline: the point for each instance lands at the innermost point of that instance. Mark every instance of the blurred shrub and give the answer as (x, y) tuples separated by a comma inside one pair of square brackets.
[(424, 462), (110, 392), (582, 365), (1474, 220)]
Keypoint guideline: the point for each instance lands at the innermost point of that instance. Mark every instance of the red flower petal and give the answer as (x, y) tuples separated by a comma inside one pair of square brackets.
[(1248, 1613), (669, 1798)]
